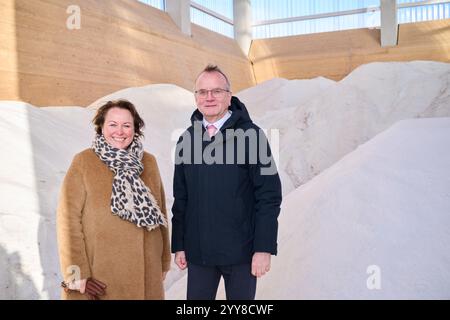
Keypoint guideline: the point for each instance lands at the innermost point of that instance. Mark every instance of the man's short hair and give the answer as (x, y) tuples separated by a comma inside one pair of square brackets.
[(213, 68)]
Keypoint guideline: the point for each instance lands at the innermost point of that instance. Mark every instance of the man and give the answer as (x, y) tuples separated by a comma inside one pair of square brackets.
[(227, 195)]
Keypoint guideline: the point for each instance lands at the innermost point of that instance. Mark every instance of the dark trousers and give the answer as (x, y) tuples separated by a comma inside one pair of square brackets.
[(203, 282)]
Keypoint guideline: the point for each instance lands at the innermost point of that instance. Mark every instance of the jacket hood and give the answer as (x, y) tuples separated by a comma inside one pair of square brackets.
[(239, 114)]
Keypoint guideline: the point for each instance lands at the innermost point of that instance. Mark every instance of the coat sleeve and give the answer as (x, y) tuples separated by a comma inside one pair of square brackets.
[(267, 194), (71, 240), (180, 201), (166, 257)]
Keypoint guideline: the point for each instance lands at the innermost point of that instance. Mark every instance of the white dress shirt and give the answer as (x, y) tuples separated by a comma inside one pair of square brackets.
[(219, 123)]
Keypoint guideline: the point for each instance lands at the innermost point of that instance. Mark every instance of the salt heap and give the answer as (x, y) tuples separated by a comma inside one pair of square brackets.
[(362, 212)]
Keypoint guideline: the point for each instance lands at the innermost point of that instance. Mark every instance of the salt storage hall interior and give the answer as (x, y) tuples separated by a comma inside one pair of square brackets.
[(354, 97)]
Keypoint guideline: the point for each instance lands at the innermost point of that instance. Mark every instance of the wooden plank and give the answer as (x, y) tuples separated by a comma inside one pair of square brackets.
[(121, 43), (335, 54)]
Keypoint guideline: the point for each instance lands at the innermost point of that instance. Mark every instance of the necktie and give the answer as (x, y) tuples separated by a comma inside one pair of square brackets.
[(211, 130)]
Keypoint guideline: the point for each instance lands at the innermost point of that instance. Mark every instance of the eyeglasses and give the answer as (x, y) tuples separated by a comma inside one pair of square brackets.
[(216, 93)]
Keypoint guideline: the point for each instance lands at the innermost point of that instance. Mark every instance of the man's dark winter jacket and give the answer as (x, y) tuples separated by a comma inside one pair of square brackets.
[(224, 212)]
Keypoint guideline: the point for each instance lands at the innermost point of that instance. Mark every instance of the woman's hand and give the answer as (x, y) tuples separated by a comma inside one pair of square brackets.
[(91, 287), (94, 289)]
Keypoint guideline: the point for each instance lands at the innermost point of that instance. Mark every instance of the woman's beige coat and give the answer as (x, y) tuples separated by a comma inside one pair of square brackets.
[(128, 259)]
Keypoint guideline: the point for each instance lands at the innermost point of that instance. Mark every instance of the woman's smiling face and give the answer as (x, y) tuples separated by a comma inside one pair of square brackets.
[(118, 128)]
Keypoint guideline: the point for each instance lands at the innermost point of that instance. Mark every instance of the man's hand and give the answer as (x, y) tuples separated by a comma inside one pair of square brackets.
[(164, 274), (180, 260), (260, 264)]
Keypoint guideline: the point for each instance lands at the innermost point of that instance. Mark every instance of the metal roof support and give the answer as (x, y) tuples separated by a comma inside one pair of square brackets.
[(180, 12), (242, 12), (389, 24)]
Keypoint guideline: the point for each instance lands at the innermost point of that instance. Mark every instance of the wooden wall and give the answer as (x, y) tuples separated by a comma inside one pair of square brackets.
[(125, 43), (121, 43), (335, 54)]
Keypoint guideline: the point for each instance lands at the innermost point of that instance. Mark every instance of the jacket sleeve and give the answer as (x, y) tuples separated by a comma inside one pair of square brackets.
[(267, 193), (71, 241), (179, 204), (166, 257)]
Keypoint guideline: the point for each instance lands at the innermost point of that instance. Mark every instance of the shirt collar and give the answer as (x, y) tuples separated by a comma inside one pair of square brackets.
[(219, 123)]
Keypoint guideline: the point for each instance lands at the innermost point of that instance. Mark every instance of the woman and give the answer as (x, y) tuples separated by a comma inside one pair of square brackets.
[(112, 222)]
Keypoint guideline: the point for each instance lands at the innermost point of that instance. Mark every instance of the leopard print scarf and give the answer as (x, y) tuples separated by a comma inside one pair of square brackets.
[(131, 199)]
